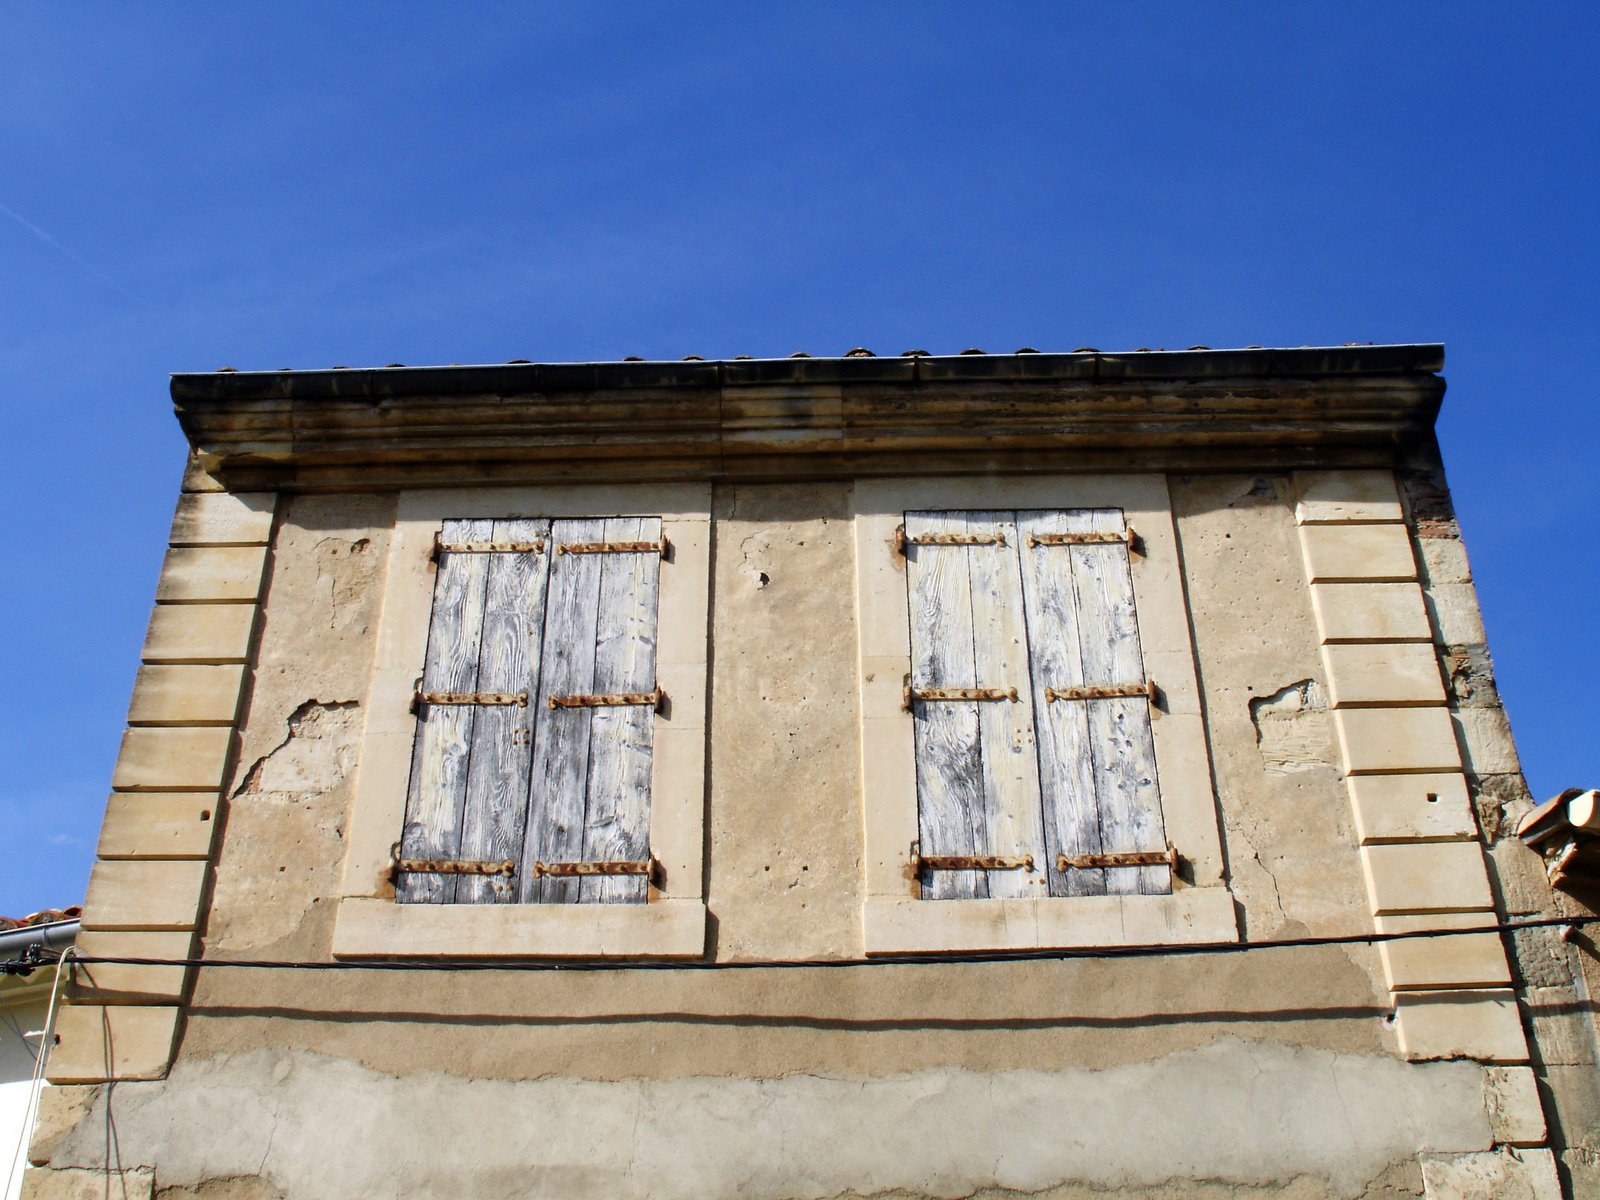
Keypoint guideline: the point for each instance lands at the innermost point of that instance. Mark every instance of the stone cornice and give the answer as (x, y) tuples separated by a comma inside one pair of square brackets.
[(810, 418)]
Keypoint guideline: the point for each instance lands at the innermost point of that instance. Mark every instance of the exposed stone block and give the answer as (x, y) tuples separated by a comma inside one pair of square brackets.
[(199, 633), (144, 894), (1444, 560), (1362, 673), (211, 573), (168, 694), (154, 759), (1370, 612), (1492, 1175), (1349, 552), (1347, 496), (58, 1113), (1516, 1116), (1481, 1025), (1453, 613), (158, 825), (1468, 960), (1486, 736), (1423, 877), (223, 519), (98, 1042), (131, 983), (1397, 739), (1411, 807)]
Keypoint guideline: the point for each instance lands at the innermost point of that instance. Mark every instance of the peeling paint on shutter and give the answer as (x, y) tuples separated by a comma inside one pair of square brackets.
[(977, 769), (591, 765), (1097, 756), (467, 791), (1041, 601)]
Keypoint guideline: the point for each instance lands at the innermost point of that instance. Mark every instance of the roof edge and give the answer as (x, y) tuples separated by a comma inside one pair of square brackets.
[(1081, 366)]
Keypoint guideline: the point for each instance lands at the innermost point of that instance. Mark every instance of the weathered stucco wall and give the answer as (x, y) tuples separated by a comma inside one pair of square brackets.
[(1269, 1072)]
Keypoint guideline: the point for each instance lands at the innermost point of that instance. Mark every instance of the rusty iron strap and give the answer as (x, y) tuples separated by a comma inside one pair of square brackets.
[(443, 547), (566, 869), (434, 699), (910, 694), (661, 547), (973, 862), (902, 539), (1130, 858), (1126, 537), (611, 700), (452, 866), (1108, 692)]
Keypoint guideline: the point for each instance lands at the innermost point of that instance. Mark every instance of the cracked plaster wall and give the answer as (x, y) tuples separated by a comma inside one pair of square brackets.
[(795, 1074), (1225, 1119)]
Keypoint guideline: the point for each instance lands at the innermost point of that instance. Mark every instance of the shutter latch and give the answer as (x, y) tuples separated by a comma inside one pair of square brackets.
[(903, 539), (972, 862), (911, 693), (661, 547), (1128, 858), (611, 700), (448, 866), (1111, 691), (435, 699)]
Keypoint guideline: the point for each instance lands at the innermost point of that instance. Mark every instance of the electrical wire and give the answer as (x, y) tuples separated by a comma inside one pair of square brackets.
[(30, 1109), (877, 960)]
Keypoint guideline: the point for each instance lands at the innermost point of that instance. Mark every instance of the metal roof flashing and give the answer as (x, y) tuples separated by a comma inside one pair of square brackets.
[(1083, 366)]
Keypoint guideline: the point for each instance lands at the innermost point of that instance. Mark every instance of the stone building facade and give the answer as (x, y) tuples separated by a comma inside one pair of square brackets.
[(988, 769)]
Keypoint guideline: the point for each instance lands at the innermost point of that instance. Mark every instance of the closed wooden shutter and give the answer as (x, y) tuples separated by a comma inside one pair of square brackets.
[(998, 603), (591, 774), (499, 772), (468, 796)]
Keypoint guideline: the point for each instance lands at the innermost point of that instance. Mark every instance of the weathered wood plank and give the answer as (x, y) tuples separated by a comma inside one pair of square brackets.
[(1126, 788), (950, 797), (1066, 765), (442, 746), (1013, 820), (495, 820), (617, 819), (560, 776)]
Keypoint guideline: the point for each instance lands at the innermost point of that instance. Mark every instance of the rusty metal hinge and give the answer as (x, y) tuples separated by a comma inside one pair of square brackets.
[(611, 700), (435, 699), (1129, 858), (440, 546), (902, 539), (972, 862), (909, 694), (1111, 691), (1126, 537), (570, 869), (451, 866), (661, 547)]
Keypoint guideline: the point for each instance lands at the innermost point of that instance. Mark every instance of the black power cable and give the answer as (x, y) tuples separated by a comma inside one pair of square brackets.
[(877, 960)]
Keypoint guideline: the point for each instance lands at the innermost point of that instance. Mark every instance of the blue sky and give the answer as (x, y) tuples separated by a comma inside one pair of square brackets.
[(283, 184)]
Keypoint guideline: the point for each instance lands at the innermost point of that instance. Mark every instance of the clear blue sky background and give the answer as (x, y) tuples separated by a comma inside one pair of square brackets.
[(294, 184)]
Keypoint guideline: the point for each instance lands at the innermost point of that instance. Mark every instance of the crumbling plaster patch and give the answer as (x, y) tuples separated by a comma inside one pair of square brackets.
[(1284, 814), (282, 845), (1231, 1113)]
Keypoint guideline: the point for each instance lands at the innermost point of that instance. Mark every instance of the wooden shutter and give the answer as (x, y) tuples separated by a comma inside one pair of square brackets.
[(1097, 757), (994, 608), (590, 797), (468, 796), (977, 770)]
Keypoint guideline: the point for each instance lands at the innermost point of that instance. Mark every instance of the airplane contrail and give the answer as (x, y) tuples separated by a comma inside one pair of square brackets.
[(48, 240)]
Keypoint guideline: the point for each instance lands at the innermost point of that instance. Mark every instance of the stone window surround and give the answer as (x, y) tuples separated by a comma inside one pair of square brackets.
[(896, 918), (671, 923)]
